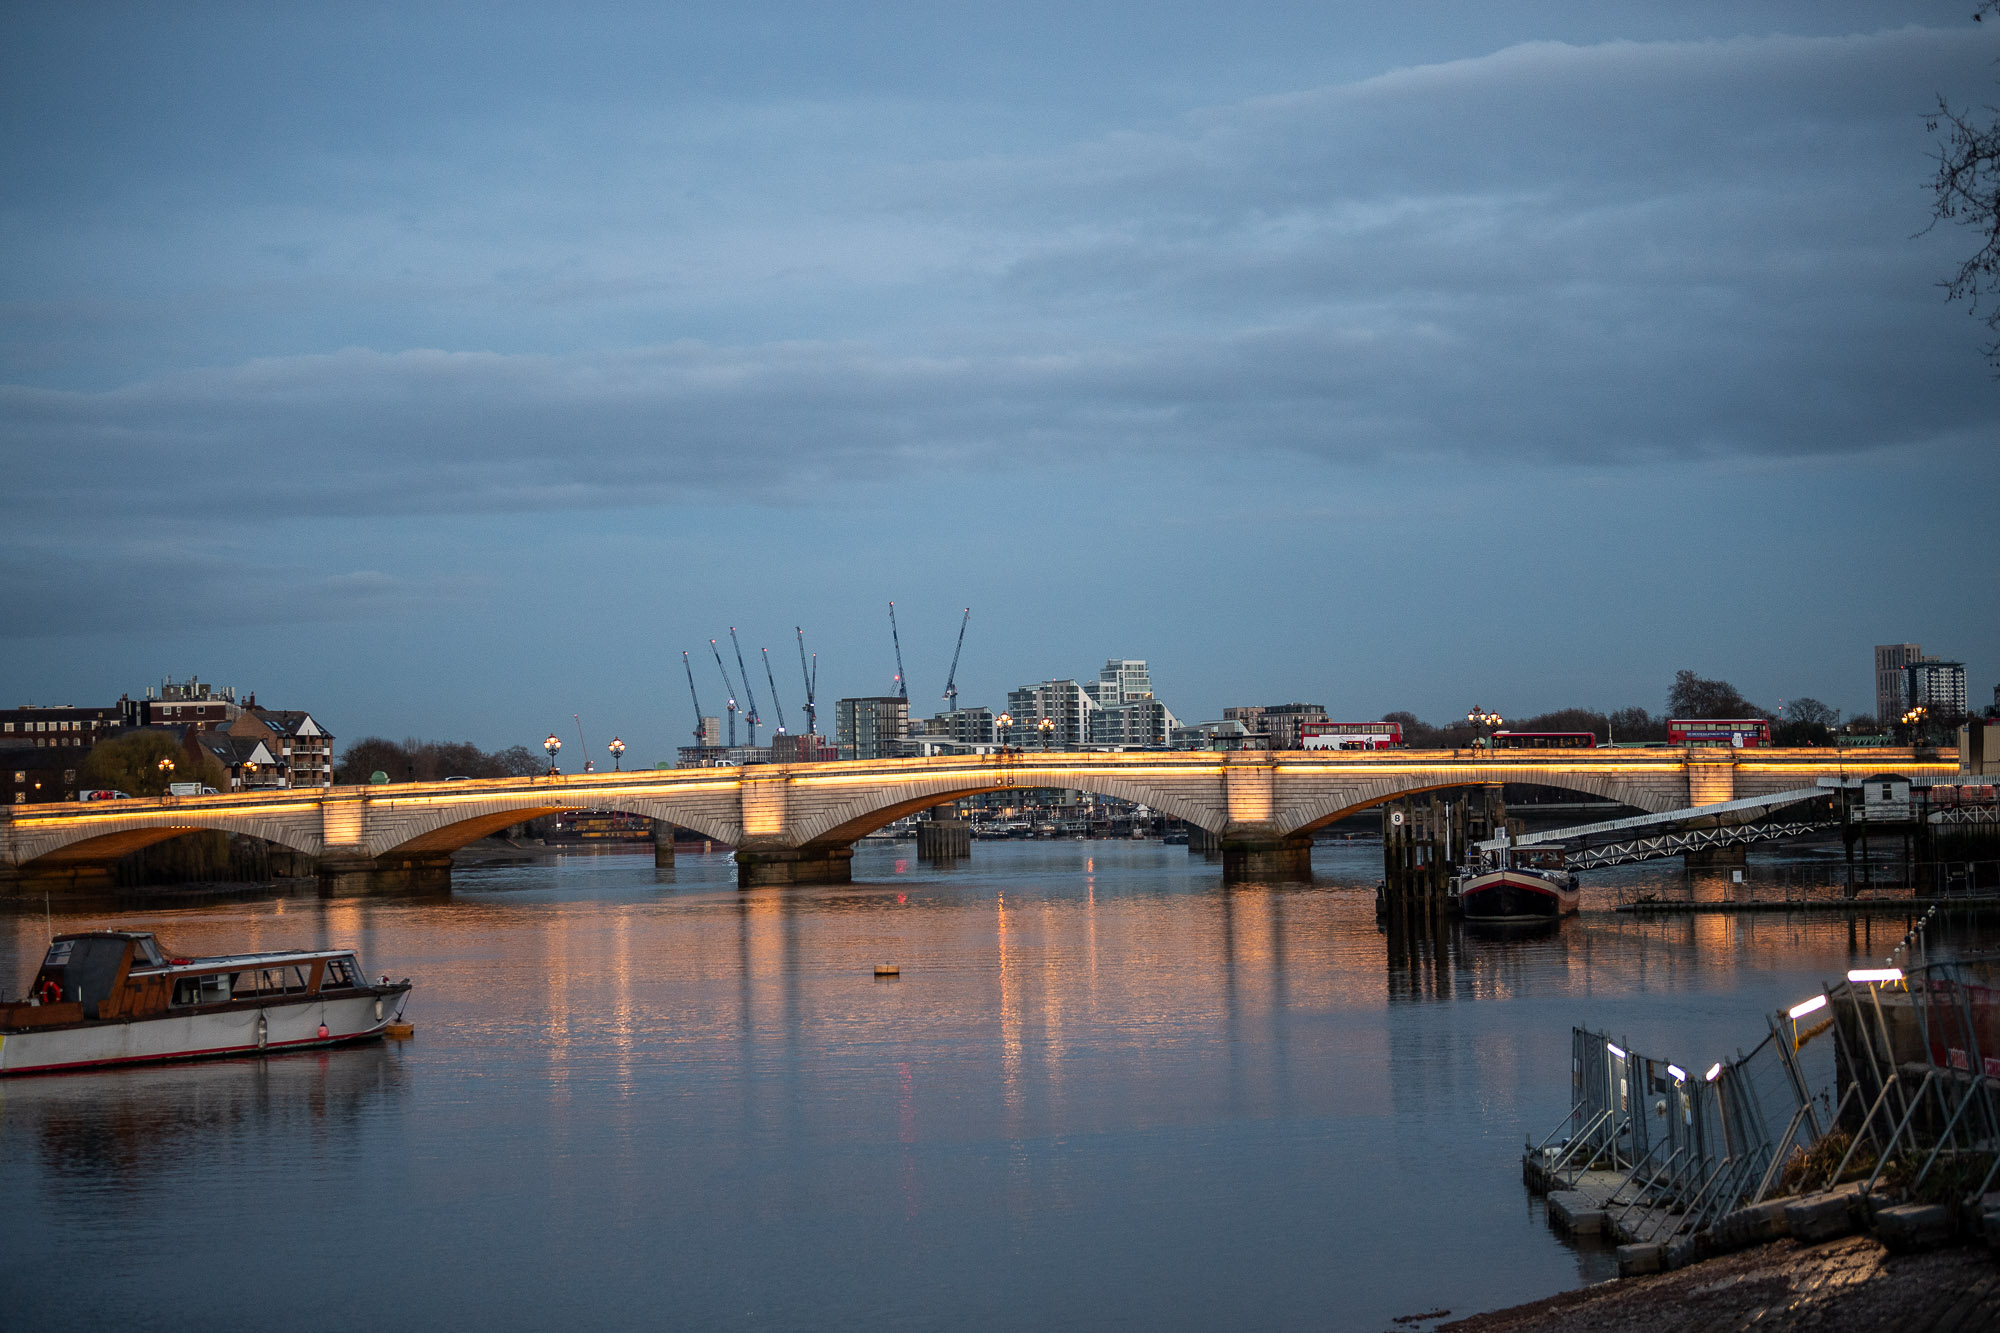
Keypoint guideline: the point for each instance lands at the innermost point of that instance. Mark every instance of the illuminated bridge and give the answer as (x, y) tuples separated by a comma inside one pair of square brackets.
[(796, 823)]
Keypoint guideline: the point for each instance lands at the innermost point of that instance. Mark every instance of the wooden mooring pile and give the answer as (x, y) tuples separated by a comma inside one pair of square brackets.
[(1425, 840)]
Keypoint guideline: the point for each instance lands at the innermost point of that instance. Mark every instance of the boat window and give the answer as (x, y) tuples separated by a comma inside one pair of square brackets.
[(211, 989), (149, 951), (340, 974), (59, 953), (271, 981)]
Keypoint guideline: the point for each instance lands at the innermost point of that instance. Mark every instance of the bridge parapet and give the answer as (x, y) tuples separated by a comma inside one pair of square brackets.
[(796, 823)]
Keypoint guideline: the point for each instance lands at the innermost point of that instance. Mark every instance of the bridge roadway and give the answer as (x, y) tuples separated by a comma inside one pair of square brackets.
[(796, 823)]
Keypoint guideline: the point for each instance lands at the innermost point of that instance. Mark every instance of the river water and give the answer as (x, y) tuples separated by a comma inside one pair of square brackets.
[(1105, 1092)]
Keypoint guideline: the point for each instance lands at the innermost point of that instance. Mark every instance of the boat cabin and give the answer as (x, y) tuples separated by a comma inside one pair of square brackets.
[(105, 975)]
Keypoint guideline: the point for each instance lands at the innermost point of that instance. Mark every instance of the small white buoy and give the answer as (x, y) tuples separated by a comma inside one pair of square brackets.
[(887, 970)]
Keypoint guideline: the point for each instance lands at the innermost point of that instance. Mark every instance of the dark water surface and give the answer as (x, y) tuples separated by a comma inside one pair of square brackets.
[(1106, 1092)]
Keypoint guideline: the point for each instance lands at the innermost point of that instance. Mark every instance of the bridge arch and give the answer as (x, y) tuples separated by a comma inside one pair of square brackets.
[(843, 822), (1330, 809), (102, 841), (436, 829)]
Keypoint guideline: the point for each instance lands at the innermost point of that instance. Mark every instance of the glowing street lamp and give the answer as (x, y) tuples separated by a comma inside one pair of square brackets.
[(1048, 729), (1479, 717), (166, 765), (552, 744), (1000, 726), (617, 748)]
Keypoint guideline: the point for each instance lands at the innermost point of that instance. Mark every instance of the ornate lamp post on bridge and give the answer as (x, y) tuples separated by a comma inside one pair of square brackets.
[(1001, 725), (166, 770), (617, 748), (552, 744), (1048, 729), (1479, 717)]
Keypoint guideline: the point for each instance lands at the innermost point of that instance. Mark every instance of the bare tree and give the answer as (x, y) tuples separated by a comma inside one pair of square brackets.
[(1697, 696), (1966, 192)]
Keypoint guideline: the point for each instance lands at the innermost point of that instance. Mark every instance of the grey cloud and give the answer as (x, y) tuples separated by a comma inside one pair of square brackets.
[(1612, 253), (159, 584)]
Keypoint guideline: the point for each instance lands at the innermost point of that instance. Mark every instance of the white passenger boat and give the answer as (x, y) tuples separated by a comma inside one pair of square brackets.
[(110, 997)]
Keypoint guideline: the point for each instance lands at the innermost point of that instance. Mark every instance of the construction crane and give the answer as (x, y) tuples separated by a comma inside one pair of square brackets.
[(951, 677), (749, 695), (776, 702), (699, 735), (902, 686), (812, 682), (728, 689)]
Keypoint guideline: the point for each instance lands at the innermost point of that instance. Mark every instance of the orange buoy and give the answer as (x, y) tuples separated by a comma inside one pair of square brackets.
[(322, 1032)]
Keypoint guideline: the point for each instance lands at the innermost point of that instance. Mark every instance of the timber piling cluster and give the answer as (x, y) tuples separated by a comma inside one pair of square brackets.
[(1425, 841)]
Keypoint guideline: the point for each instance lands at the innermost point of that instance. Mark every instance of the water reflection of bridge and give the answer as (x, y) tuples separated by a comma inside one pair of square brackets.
[(796, 823)]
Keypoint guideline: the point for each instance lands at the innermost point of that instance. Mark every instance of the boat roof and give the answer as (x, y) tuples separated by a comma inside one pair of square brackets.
[(265, 958), (270, 958)]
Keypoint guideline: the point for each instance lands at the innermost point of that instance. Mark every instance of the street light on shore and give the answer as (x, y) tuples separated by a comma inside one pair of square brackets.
[(617, 748), (552, 744)]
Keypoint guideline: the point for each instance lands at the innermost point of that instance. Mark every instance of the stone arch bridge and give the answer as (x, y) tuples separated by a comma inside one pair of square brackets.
[(796, 823)]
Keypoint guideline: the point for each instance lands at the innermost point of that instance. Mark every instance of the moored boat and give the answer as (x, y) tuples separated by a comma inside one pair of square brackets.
[(1530, 885), (110, 997)]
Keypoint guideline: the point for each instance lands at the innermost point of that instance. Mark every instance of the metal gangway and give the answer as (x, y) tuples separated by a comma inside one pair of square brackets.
[(1907, 1107), (1671, 1149), (1727, 824)]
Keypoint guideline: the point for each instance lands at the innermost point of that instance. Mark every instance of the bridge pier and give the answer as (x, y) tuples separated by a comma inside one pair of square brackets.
[(764, 866), (426, 871), (1266, 857), (943, 839), (663, 845)]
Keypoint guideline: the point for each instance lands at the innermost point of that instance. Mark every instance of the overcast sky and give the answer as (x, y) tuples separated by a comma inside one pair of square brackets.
[(448, 371)]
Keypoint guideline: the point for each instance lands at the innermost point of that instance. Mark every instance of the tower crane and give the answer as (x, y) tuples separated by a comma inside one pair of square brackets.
[(775, 701), (749, 695), (951, 677), (812, 682), (728, 689), (698, 737), (902, 686)]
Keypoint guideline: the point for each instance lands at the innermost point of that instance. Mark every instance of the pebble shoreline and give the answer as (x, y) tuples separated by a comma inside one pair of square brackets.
[(1852, 1284)]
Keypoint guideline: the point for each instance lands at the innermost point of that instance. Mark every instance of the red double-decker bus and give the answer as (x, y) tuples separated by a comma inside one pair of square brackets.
[(1351, 735), (1544, 740), (1743, 733)]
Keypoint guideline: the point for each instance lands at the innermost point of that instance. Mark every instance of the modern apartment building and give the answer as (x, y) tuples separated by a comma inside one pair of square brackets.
[(1890, 659), (868, 728), (1123, 680), (1936, 686), (1141, 722), (1064, 703), (1281, 726), (962, 726)]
